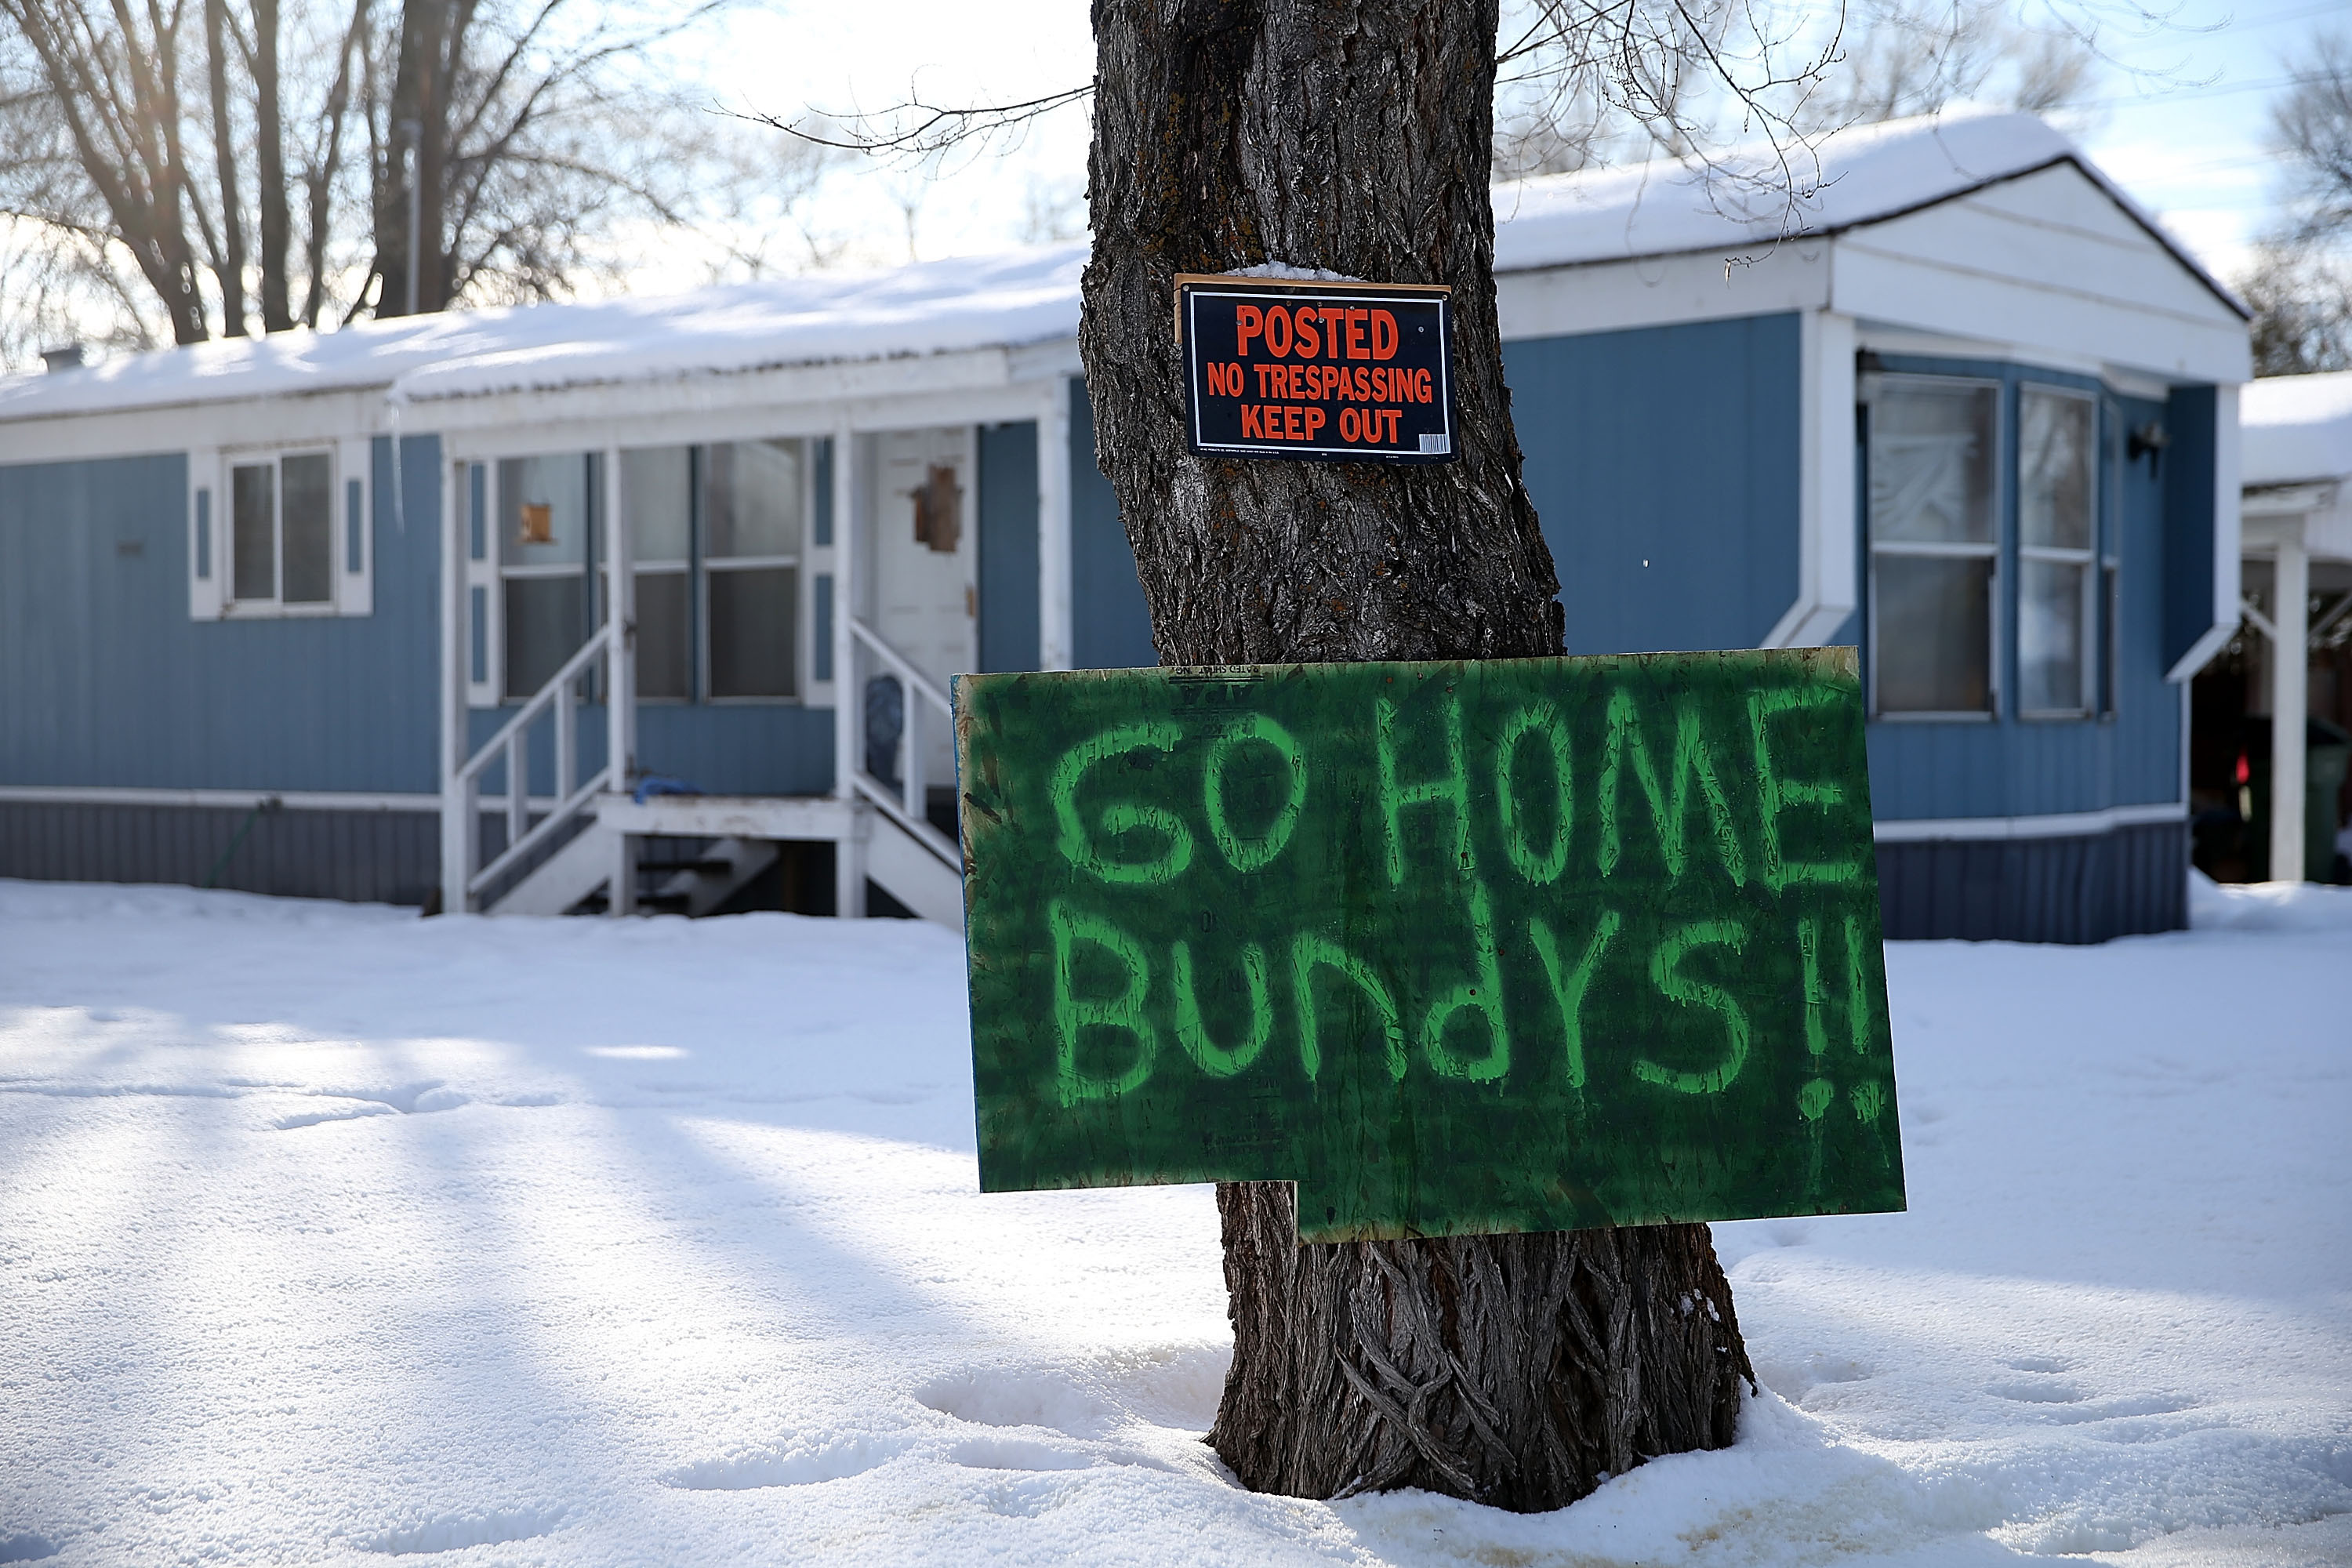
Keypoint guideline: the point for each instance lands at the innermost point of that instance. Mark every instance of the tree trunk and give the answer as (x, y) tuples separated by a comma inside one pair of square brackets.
[(230, 273), (269, 161), (418, 123), (1353, 137)]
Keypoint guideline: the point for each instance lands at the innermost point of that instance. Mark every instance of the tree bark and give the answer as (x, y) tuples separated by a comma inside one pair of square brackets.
[(230, 273), (418, 122), (122, 106), (269, 163), (1353, 136)]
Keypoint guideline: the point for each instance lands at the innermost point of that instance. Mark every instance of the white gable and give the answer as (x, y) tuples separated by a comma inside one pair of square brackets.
[(1739, 205)]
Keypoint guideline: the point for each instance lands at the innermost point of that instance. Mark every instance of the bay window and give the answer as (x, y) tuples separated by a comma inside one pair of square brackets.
[(1991, 584), (1934, 465), (2057, 444)]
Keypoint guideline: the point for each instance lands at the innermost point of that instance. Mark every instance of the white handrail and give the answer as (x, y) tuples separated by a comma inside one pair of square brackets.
[(587, 654), (511, 745), (905, 805), (899, 662), (521, 845)]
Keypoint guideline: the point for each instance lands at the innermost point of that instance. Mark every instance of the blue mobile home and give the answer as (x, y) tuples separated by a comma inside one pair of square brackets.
[(292, 614)]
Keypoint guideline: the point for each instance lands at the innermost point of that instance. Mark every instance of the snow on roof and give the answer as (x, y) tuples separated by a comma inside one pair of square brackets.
[(1861, 176), (932, 308), (2296, 428), (1739, 203)]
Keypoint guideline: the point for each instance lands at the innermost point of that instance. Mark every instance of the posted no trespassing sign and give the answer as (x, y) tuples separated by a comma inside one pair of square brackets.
[(1289, 368)]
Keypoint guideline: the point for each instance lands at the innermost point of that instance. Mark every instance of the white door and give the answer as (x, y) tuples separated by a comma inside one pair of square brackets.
[(925, 567)]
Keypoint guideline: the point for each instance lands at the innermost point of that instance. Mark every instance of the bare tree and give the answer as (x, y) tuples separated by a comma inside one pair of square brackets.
[(2302, 300), (1905, 58), (2312, 125), (98, 88), (189, 165), (2300, 283)]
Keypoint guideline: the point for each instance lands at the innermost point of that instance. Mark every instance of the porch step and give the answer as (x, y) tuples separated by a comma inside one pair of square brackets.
[(714, 876), (565, 880), (744, 832), (911, 873)]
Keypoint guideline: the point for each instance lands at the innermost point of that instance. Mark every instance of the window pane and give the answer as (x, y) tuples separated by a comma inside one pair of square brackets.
[(2050, 637), (752, 498), (663, 645), (254, 549), (2055, 435), (543, 511), (657, 487), (751, 632), (1931, 463), (543, 629), (307, 513), (1933, 653)]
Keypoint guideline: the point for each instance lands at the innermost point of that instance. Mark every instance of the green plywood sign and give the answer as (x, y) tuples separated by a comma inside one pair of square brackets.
[(1518, 945)]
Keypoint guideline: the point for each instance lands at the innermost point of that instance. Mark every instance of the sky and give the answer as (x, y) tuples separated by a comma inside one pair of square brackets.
[(2179, 115)]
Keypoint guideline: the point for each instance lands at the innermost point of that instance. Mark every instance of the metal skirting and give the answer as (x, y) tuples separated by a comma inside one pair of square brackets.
[(364, 855), (2083, 887)]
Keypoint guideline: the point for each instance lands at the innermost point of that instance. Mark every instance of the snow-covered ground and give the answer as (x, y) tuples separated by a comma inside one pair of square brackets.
[(328, 1233)]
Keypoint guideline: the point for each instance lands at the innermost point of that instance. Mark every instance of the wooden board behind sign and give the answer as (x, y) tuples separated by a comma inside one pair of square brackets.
[(1515, 945), (1336, 372)]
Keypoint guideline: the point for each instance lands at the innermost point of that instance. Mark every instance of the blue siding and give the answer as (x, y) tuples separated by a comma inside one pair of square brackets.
[(763, 748), (1110, 625), (1008, 546), (111, 683), (2012, 767), (1664, 463), (2189, 477)]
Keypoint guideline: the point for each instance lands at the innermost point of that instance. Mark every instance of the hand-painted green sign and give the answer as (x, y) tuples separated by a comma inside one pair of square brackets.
[(1521, 945)]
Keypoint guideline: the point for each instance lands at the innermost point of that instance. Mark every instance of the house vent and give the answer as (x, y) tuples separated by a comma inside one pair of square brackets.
[(71, 357)]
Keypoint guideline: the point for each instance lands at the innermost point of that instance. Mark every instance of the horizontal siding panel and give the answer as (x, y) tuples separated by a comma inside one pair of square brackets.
[(2087, 889), (365, 856)]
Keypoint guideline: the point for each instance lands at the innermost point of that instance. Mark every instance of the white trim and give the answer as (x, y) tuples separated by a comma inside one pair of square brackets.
[(452, 689), (1660, 292), (354, 580), (1056, 636), (1826, 521), (848, 717), (1948, 297), (292, 800), (2062, 825), (478, 576), (2228, 529), (963, 388)]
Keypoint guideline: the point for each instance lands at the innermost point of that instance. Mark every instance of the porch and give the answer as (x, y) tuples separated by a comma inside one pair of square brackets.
[(766, 598)]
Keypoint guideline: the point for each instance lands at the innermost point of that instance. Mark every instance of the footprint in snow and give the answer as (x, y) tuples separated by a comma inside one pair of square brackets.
[(455, 1533)]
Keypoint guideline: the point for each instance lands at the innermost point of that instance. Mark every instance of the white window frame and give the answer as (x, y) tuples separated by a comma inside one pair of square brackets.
[(2002, 501), (2089, 558), (212, 532)]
